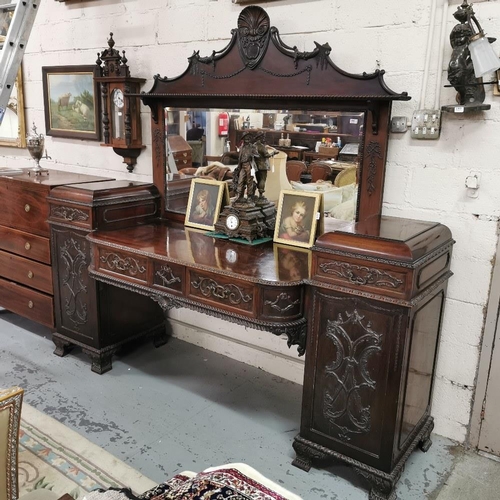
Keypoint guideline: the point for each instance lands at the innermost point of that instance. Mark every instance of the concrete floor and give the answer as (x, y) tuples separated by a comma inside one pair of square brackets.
[(181, 407)]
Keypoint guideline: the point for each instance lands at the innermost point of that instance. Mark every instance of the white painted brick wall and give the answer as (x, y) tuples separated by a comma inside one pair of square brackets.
[(425, 180)]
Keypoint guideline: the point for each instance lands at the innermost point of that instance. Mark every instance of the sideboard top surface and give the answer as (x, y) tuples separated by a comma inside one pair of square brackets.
[(388, 237), (173, 242), (53, 178)]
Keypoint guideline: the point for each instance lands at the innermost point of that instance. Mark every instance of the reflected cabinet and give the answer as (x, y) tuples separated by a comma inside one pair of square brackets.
[(365, 303)]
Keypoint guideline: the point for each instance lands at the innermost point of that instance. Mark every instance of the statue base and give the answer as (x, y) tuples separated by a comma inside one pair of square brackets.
[(458, 108)]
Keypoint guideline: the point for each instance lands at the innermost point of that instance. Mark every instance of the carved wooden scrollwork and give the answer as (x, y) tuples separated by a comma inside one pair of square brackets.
[(283, 303), (373, 151), (344, 403), (210, 288), (167, 276), (68, 213), (124, 264), (166, 303), (74, 265), (361, 275)]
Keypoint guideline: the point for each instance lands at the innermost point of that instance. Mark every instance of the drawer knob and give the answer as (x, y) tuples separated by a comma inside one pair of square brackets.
[(27, 208), (30, 304), (184, 154), (30, 274), (27, 245)]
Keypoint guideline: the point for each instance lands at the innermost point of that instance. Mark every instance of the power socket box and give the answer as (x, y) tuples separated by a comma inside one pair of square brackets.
[(426, 124)]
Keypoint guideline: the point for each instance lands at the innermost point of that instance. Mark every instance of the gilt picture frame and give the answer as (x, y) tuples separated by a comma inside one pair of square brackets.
[(204, 204), (299, 214), (72, 102), (13, 127)]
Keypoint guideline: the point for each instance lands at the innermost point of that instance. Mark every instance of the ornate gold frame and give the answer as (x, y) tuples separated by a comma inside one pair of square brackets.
[(20, 140)]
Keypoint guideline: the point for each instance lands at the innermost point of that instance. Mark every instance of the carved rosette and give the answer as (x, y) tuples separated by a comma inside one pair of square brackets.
[(73, 281), (127, 265), (68, 213), (210, 288), (345, 403), (361, 275)]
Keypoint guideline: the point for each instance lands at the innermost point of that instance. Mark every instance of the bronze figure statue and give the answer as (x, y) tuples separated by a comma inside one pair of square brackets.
[(470, 90)]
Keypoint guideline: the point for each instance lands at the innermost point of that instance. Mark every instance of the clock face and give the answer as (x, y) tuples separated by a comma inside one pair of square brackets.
[(118, 98), (232, 222)]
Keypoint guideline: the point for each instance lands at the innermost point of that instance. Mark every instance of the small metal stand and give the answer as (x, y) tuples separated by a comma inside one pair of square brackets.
[(35, 144)]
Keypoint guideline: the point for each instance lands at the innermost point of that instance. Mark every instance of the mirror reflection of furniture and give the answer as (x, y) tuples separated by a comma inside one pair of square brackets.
[(320, 171), (346, 177), (277, 179), (295, 169)]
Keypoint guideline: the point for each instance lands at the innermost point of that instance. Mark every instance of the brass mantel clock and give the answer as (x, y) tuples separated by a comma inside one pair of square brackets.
[(121, 117)]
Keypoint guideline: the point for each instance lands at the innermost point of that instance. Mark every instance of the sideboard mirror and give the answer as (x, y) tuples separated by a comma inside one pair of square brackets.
[(259, 82)]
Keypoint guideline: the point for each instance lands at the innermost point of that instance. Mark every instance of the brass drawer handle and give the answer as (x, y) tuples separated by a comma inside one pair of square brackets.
[(27, 245), (184, 161), (27, 208), (30, 274), (184, 154), (30, 304)]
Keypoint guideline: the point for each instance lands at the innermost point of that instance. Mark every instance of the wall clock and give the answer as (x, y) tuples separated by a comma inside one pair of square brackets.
[(121, 117)]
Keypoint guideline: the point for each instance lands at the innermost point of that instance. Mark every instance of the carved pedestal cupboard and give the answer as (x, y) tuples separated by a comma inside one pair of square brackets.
[(97, 317), (376, 298)]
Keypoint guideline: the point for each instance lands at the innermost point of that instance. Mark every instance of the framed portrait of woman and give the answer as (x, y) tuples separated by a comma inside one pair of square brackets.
[(205, 200), (297, 219)]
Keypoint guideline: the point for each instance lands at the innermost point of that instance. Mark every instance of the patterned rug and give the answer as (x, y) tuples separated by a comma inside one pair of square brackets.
[(55, 457)]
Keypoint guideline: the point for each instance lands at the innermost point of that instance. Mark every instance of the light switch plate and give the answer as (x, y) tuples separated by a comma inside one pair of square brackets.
[(426, 124), (399, 124)]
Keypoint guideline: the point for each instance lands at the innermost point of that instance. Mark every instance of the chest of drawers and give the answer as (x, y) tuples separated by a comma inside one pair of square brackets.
[(25, 261)]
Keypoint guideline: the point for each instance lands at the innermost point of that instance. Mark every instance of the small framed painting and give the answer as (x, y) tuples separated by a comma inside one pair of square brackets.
[(298, 216), (205, 199), (13, 127), (72, 102)]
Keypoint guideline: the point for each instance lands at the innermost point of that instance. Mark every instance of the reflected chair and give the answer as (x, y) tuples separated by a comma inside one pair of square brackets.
[(347, 176), (320, 171), (294, 169), (10, 419)]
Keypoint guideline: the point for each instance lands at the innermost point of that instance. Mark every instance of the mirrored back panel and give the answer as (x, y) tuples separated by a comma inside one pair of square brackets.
[(318, 151)]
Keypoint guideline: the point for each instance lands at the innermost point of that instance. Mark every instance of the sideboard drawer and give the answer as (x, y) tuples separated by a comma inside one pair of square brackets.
[(26, 272), (360, 275), (127, 265), (23, 209), (28, 303), (25, 244)]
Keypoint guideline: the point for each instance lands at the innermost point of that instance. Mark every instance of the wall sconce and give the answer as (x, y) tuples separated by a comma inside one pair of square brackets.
[(471, 59)]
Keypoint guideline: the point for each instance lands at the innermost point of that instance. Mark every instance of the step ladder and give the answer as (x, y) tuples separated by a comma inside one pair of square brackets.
[(16, 20)]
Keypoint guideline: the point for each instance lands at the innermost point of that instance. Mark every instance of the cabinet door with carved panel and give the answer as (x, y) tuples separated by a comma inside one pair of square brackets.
[(352, 365)]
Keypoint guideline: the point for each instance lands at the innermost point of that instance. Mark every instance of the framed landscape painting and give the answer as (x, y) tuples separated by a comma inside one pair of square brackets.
[(13, 127), (72, 102)]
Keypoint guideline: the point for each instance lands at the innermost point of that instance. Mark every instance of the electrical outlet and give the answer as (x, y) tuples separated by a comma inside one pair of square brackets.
[(426, 124), (399, 124)]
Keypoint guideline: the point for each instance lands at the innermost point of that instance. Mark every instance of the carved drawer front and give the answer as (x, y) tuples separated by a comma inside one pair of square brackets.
[(79, 216), (25, 244), (25, 210), (26, 272), (281, 302), (227, 293), (363, 275), (127, 265), (28, 303), (168, 276)]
